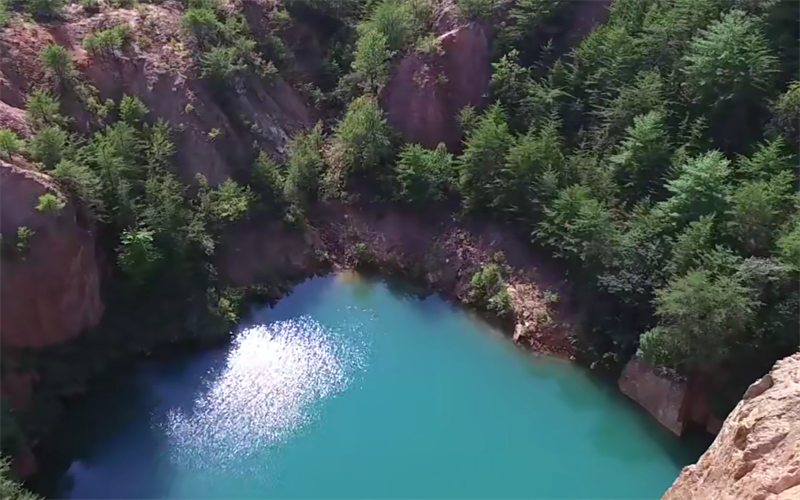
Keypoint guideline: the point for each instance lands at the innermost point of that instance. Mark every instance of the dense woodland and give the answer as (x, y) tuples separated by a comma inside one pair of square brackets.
[(657, 159)]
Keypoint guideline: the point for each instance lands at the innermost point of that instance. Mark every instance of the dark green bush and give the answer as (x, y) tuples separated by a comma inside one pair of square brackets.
[(107, 42), (48, 146), (57, 61)]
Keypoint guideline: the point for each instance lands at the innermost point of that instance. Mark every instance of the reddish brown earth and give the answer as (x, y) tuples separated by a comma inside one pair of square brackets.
[(433, 249), (213, 138), (426, 93), (52, 293)]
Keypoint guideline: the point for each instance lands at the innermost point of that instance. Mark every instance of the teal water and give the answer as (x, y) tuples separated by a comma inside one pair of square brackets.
[(350, 389)]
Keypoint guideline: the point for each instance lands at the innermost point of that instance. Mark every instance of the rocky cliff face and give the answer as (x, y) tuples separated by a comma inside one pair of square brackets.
[(426, 93), (50, 282), (213, 138), (51, 289), (756, 455)]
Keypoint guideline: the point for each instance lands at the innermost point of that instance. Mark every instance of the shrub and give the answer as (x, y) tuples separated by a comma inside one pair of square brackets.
[(202, 25), (10, 489), (362, 139), (500, 304), (107, 42), (83, 183), (57, 60), (24, 235), (3, 13), (220, 64), (138, 255), (48, 146), (50, 204), (372, 60), (10, 143), (485, 283), (45, 9), (393, 20), (42, 110), (473, 10), (305, 166), (229, 202), (132, 110), (268, 181), (422, 174)]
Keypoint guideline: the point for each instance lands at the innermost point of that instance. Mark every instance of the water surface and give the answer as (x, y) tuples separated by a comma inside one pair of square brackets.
[(351, 389)]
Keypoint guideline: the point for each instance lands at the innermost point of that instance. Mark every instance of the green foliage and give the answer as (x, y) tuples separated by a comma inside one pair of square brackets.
[(484, 153), (227, 203), (643, 158), (10, 489), (579, 227), (785, 111), (645, 95), (788, 246), (50, 204), (43, 110), (57, 61), (48, 146), (305, 167), (700, 188), (220, 64), (692, 245), (45, 9), (372, 60), (729, 71), (488, 290), (422, 175), (202, 24), (527, 17), (83, 183), (701, 317), (3, 13), (756, 210), (530, 174), (132, 110), (24, 235), (107, 42), (268, 181), (474, 10), (729, 61), (361, 141), (10, 143), (138, 256), (392, 20)]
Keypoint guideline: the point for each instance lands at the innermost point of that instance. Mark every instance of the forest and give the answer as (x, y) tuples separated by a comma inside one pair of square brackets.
[(656, 159)]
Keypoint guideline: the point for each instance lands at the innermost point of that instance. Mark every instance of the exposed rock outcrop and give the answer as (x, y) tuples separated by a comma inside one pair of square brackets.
[(675, 402), (427, 92), (214, 137), (660, 394), (433, 249), (756, 455), (50, 288)]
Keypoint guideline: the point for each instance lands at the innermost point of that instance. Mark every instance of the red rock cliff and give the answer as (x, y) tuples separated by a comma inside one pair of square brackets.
[(756, 455), (426, 93), (50, 292)]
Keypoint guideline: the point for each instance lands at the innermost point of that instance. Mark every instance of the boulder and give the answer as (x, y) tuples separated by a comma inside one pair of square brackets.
[(659, 393), (50, 291), (756, 455)]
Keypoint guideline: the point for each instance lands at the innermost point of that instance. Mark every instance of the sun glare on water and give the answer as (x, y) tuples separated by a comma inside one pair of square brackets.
[(273, 375)]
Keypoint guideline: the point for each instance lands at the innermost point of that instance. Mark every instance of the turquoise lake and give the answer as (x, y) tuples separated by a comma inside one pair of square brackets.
[(350, 388)]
